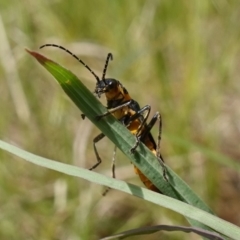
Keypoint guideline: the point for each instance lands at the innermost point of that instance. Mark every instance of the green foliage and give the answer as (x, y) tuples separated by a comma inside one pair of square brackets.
[(180, 57)]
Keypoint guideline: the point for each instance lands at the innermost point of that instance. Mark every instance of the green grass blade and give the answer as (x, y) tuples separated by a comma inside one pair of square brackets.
[(115, 131), (187, 210), (149, 230), (121, 137)]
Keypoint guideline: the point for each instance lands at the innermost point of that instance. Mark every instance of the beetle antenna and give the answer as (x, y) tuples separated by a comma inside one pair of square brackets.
[(66, 50), (109, 57)]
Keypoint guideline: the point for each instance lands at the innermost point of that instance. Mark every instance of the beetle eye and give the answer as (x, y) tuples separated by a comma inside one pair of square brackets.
[(112, 84)]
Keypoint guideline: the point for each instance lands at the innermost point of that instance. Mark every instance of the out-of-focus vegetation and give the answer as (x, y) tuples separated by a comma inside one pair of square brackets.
[(181, 57)]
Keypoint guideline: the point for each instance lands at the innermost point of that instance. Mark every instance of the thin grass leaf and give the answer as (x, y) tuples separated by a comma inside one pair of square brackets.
[(213, 222), (149, 230)]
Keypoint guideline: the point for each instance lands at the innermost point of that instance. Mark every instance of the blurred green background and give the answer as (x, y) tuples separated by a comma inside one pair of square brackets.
[(181, 57)]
